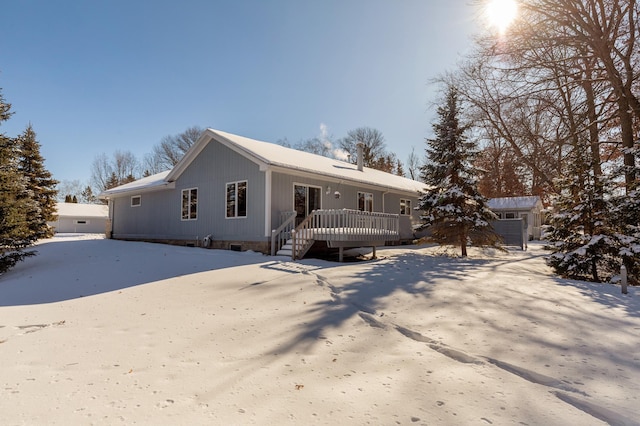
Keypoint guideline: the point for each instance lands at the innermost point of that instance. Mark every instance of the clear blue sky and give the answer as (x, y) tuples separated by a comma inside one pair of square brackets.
[(101, 75)]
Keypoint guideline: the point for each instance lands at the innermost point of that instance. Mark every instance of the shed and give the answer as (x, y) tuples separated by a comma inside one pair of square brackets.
[(529, 208), (81, 218)]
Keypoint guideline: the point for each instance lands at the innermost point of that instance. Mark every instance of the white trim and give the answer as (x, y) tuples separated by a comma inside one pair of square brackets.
[(306, 185), (246, 213), (365, 201), (189, 203), (407, 207), (343, 180), (267, 203)]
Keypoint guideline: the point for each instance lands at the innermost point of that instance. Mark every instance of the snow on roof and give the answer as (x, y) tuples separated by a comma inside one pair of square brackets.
[(293, 159), (270, 154), (505, 203), (82, 210), (156, 181)]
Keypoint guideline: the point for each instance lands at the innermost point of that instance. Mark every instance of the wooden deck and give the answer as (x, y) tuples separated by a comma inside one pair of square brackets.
[(340, 228)]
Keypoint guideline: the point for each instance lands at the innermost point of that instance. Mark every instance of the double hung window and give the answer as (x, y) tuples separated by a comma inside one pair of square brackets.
[(405, 207)]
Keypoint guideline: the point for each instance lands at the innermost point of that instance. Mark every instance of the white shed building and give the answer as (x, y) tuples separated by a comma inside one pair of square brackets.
[(81, 218), (528, 208)]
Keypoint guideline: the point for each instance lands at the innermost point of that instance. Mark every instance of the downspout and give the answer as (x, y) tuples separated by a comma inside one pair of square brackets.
[(111, 208)]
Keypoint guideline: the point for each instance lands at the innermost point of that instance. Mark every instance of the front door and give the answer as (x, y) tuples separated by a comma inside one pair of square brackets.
[(305, 200)]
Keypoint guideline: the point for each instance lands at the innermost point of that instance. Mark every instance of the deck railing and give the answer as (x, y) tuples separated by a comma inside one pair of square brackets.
[(343, 225)]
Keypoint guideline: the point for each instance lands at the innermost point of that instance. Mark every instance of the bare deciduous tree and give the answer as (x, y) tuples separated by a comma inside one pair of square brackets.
[(373, 141), (414, 164), (107, 172), (171, 149), (69, 187)]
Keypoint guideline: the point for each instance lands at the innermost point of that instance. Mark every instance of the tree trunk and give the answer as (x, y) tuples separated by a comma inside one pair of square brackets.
[(463, 245)]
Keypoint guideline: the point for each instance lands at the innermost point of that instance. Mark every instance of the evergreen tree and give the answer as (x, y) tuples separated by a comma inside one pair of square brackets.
[(68, 199), (87, 195), (39, 183), (454, 211), (579, 232), (626, 217), (74, 199), (112, 182), (15, 202), (399, 168)]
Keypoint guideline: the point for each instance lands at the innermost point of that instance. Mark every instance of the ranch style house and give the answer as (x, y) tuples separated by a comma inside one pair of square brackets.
[(232, 192)]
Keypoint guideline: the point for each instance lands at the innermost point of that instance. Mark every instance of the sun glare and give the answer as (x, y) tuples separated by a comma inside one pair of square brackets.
[(501, 13)]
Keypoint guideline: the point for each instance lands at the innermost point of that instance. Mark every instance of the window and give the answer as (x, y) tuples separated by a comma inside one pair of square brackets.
[(190, 204), (510, 215), (405, 207), (306, 199), (237, 199), (135, 201), (365, 201)]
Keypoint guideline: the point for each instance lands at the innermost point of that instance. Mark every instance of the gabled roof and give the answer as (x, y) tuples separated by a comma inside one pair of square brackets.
[(274, 157), (82, 210), (146, 184), (515, 203)]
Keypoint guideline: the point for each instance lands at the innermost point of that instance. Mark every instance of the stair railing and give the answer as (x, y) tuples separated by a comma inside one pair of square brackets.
[(280, 235), (302, 237)]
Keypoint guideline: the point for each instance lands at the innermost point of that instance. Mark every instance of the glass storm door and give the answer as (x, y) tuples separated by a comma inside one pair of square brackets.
[(305, 200)]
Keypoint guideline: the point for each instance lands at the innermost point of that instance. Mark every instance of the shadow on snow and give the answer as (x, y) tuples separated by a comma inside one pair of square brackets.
[(65, 270)]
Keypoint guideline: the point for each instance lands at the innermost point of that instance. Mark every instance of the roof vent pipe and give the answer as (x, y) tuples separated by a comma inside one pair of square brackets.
[(359, 159)]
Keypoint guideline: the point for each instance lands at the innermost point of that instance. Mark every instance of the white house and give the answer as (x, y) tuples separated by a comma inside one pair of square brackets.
[(81, 218)]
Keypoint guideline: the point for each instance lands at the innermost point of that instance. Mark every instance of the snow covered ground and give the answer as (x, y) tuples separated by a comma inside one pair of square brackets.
[(96, 331)]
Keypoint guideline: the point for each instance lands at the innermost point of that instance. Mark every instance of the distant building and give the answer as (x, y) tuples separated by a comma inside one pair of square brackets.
[(81, 218), (529, 209)]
